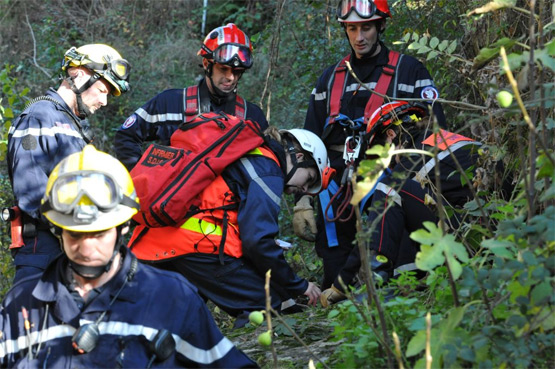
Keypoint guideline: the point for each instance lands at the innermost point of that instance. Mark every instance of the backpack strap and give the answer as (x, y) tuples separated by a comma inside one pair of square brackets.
[(240, 107), (191, 104), (382, 85), (337, 88), (375, 101)]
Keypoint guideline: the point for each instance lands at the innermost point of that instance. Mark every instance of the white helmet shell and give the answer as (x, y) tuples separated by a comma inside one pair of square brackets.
[(311, 143)]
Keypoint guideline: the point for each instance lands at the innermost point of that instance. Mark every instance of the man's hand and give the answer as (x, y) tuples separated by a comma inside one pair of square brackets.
[(304, 224), (313, 293), (331, 296)]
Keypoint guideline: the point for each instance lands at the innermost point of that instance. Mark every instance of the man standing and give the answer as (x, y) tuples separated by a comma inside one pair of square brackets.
[(96, 306), (227, 54), (339, 107), (49, 129)]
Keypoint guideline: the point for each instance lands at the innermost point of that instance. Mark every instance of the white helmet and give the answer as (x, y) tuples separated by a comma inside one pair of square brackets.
[(312, 144)]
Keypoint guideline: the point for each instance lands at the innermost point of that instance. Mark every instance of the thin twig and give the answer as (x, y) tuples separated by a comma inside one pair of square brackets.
[(518, 98), (35, 47), (429, 357), (268, 315), (369, 280), (398, 350)]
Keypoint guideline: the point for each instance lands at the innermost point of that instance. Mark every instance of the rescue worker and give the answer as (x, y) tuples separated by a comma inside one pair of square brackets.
[(409, 190), (339, 108), (227, 54), (50, 128), (242, 213), (96, 306)]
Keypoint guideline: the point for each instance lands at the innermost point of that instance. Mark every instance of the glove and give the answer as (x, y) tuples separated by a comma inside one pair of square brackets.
[(304, 224), (331, 296)]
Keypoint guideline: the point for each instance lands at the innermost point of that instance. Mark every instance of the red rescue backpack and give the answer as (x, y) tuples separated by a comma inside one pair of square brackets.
[(168, 179)]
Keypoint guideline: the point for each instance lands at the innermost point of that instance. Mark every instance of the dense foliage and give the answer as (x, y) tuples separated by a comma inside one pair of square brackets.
[(488, 298)]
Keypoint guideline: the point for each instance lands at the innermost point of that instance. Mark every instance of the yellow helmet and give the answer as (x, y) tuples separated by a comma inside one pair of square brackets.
[(104, 61), (89, 191)]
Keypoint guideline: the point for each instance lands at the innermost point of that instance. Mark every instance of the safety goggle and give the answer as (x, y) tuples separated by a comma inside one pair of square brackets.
[(364, 8), (118, 71), (84, 190), (233, 55)]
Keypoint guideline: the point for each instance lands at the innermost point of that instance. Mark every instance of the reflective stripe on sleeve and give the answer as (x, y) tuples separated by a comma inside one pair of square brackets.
[(158, 117), (185, 348), (37, 132), (252, 172)]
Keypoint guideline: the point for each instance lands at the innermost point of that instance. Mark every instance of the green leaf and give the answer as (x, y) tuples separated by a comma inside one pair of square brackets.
[(501, 248), (423, 49), (423, 40), (406, 37), (452, 47), (434, 42), (541, 293), (443, 45), (432, 55), (416, 344), (437, 248), (414, 46)]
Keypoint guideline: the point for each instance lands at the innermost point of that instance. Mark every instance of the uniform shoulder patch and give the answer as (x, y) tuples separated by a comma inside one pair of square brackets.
[(129, 122), (429, 93)]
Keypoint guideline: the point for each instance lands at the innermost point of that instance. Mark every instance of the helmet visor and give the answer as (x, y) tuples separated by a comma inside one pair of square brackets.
[(84, 189), (233, 55), (365, 9)]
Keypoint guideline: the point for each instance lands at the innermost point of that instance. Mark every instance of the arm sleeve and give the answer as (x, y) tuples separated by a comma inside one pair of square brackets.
[(33, 151), (258, 224), (154, 121), (317, 111), (202, 332), (424, 87)]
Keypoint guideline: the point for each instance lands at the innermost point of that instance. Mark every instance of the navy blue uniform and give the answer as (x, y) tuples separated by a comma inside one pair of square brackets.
[(406, 188), (160, 116), (151, 301), (238, 285), (334, 240), (44, 134)]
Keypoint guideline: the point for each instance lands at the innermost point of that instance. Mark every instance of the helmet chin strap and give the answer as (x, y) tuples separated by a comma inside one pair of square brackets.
[(93, 272), (82, 109)]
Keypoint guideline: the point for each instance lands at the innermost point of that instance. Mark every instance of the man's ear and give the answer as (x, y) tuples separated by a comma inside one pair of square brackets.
[(299, 156), (204, 63), (382, 25)]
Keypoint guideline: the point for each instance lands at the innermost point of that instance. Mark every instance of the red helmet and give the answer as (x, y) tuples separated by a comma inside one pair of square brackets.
[(364, 10), (228, 45), (395, 112)]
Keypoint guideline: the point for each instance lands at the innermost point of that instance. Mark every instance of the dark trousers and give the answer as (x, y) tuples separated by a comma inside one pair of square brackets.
[(235, 287)]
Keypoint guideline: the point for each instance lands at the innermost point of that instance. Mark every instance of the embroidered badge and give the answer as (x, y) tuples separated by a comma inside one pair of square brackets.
[(129, 122), (429, 93)]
